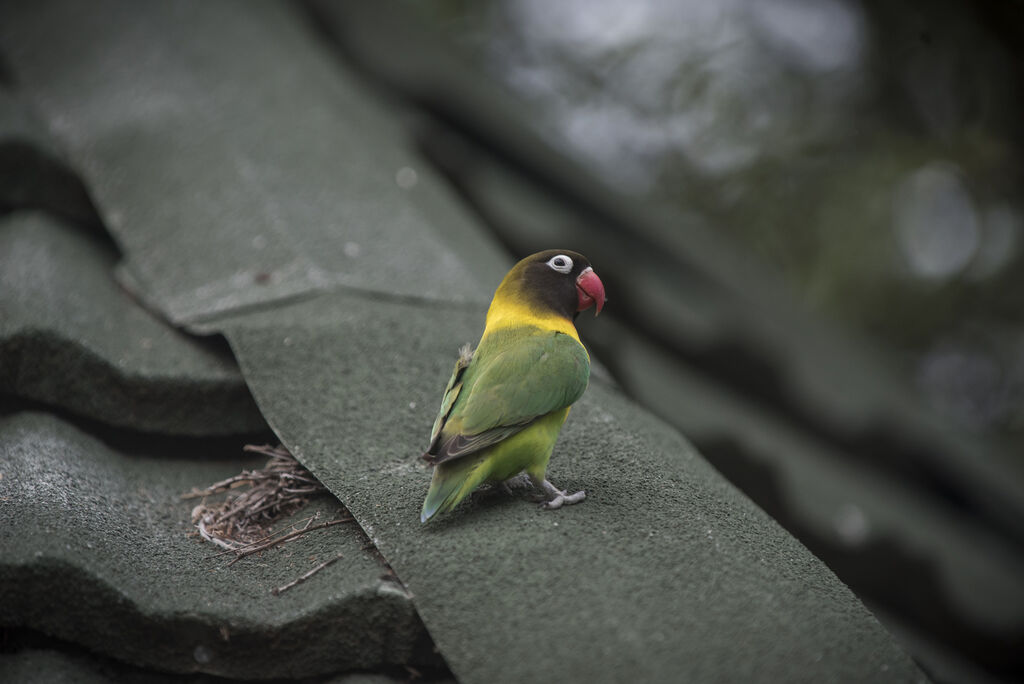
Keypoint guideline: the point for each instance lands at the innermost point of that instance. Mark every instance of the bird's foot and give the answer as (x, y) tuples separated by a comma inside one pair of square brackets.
[(555, 497), (563, 498)]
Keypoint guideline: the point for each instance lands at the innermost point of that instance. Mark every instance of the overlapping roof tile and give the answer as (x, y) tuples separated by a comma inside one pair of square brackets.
[(97, 552), (72, 338)]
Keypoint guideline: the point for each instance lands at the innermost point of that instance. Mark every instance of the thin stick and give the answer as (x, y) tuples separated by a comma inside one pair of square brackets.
[(288, 537), (217, 487), (266, 450), (242, 547), (201, 526), (305, 577)]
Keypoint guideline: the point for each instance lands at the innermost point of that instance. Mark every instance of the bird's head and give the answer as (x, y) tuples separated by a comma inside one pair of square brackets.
[(556, 281)]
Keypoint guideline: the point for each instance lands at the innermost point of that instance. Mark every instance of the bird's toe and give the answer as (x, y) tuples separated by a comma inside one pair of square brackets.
[(576, 498), (561, 498)]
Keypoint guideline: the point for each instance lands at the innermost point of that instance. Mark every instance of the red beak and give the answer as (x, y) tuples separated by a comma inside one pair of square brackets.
[(589, 290)]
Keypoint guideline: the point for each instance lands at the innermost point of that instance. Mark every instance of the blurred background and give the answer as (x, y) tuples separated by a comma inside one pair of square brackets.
[(809, 217), (867, 152)]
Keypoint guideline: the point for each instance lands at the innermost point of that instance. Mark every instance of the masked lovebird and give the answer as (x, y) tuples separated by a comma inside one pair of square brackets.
[(506, 401)]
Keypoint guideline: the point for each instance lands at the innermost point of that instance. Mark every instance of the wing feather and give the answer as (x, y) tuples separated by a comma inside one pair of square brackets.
[(451, 393)]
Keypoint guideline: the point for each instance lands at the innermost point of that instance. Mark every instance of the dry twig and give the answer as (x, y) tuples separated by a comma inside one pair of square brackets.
[(240, 554), (305, 577)]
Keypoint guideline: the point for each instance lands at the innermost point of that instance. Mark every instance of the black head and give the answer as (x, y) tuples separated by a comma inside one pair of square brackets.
[(557, 280)]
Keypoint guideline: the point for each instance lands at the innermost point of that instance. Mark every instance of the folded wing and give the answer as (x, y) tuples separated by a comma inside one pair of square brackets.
[(500, 393)]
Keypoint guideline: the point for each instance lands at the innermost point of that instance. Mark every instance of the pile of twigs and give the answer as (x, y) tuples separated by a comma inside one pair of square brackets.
[(239, 522)]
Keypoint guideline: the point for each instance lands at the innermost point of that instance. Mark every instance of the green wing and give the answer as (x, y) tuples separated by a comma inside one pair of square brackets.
[(451, 392), (520, 378)]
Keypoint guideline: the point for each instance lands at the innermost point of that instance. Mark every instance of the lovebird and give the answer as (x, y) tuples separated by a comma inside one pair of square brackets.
[(506, 401)]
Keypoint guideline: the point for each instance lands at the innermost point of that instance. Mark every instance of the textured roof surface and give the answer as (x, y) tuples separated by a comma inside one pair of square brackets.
[(97, 552), (70, 337), (246, 95), (656, 576)]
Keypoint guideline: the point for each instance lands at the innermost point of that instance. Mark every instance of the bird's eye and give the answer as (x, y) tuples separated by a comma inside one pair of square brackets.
[(560, 263)]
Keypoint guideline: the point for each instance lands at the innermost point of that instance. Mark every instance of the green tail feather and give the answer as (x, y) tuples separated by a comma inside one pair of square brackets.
[(451, 483)]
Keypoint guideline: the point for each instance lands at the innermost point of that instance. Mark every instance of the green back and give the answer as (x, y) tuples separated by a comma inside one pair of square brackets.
[(515, 376)]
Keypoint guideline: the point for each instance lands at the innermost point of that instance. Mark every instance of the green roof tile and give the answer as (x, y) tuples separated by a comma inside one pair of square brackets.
[(97, 551), (42, 666), (231, 157), (71, 337), (32, 173)]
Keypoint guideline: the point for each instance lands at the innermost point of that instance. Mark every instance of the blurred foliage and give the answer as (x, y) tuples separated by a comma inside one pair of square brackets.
[(870, 151)]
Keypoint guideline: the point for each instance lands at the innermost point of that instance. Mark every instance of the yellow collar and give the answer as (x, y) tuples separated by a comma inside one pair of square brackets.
[(504, 314)]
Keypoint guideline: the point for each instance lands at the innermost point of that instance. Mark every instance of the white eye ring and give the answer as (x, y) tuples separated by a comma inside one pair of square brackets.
[(560, 263)]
